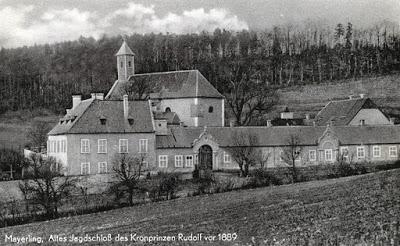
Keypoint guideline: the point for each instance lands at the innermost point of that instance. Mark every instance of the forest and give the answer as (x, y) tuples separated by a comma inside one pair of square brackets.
[(45, 76)]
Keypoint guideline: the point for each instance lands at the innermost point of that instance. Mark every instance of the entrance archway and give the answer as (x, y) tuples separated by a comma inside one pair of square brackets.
[(205, 158)]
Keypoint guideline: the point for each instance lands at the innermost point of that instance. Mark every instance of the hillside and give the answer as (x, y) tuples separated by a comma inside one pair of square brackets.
[(311, 98), (14, 126), (348, 210)]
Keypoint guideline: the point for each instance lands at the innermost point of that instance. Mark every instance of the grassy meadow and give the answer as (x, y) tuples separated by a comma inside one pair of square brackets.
[(346, 211)]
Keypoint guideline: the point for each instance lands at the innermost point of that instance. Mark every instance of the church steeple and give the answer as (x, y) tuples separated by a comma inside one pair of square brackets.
[(125, 62)]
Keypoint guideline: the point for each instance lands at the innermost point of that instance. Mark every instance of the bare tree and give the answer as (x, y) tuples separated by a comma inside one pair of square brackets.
[(37, 134), (128, 169), (291, 153), (139, 89), (248, 98), (44, 185), (261, 158), (244, 151)]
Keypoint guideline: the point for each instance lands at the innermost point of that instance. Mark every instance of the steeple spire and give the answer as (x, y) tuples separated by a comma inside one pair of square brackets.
[(125, 61)]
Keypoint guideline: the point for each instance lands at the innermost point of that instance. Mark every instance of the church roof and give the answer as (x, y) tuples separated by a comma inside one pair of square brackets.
[(278, 136), (343, 111), (172, 118), (163, 85), (124, 50), (85, 118)]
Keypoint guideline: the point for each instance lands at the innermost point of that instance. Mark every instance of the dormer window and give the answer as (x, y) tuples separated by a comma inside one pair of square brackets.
[(130, 121), (211, 109), (73, 118), (167, 109), (103, 121)]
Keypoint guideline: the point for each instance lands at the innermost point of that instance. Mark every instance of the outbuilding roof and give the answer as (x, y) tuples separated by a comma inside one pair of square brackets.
[(278, 136), (341, 112), (98, 116), (163, 85)]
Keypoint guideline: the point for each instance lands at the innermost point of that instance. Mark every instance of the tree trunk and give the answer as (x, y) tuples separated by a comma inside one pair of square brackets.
[(294, 171)]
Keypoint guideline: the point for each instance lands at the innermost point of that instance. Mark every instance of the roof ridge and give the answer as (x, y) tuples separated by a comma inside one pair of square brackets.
[(166, 72)]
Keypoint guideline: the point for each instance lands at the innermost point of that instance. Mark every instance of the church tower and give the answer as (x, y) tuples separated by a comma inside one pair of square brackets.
[(125, 62)]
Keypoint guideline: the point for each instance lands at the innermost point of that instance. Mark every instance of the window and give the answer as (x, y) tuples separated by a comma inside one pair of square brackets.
[(178, 161), (328, 155), (85, 168), (129, 64), (376, 151), (312, 155), (103, 121), (344, 153), (211, 109), (122, 64), (227, 157), (281, 156), (360, 152), (143, 145), (167, 109), (163, 161), (102, 167), (131, 121), (85, 146), (196, 159), (58, 146), (123, 146), (64, 146), (189, 161), (393, 151), (102, 146)]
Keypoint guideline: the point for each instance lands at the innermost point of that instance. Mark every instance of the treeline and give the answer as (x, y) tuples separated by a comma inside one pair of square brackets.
[(47, 75)]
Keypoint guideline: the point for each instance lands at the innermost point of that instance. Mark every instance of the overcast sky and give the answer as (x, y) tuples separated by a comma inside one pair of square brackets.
[(26, 22)]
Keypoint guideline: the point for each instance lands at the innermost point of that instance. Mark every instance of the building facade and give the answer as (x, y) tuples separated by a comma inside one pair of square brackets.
[(176, 121)]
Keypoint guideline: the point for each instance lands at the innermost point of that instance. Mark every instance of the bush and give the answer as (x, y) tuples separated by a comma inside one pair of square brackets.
[(261, 177), (388, 166), (163, 186)]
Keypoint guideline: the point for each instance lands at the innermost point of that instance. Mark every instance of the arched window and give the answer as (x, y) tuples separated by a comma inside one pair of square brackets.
[(211, 109), (122, 64), (167, 109)]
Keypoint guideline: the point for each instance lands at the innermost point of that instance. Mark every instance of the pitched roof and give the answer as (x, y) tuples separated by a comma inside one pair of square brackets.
[(278, 136), (89, 112), (162, 85), (124, 50), (343, 111), (171, 117)]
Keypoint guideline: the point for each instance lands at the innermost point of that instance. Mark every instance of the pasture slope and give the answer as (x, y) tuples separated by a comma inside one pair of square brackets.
[(310, 98), (343, 211)]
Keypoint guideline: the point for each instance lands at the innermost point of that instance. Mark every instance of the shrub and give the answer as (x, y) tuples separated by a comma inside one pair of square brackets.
[(163, 186), (205, 184), (262, 177)]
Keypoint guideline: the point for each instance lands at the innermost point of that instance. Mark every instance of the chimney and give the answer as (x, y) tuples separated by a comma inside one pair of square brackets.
[(362, 122), (99, 96), (126, 106), (76, 100), (351, 97), (269, 123), (362, 95)]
